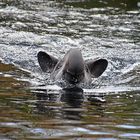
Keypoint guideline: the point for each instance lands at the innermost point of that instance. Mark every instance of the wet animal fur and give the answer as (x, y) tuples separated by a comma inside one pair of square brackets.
[(72, 68)]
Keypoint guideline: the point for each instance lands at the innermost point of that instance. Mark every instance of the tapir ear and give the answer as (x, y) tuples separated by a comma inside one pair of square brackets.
[(97, 67), (46, 61)]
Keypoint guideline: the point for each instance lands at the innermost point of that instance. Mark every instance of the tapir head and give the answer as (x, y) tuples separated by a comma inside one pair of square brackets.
[(72, 68)]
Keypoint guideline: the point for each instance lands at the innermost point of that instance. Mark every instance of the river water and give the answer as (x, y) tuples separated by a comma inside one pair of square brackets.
[(33, 107)]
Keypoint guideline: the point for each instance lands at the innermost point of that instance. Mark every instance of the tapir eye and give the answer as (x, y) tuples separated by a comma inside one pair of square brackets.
[(69, 72), (80, 74)]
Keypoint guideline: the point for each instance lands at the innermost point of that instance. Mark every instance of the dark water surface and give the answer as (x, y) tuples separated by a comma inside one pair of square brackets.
[(35, 108)]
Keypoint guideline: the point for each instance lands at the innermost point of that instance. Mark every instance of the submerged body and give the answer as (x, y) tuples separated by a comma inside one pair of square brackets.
[(72, 68)]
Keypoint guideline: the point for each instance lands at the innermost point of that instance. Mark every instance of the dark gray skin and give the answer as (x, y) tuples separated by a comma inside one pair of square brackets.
[(72, 68)]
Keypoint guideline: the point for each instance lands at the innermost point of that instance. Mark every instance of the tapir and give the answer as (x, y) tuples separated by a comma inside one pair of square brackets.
[(72, 68)]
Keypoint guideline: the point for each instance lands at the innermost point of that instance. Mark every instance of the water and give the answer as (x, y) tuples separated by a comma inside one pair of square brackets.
[(32, 107)]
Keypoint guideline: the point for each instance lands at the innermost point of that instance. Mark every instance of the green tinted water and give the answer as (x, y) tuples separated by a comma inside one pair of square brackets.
[(32, 108)]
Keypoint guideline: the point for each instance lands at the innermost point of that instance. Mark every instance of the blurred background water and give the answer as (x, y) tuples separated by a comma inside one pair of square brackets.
[(32, 107)]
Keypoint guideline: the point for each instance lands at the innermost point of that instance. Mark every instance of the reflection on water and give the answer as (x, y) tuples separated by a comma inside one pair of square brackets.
[(40, 113), (32, 107), (72, 99)]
